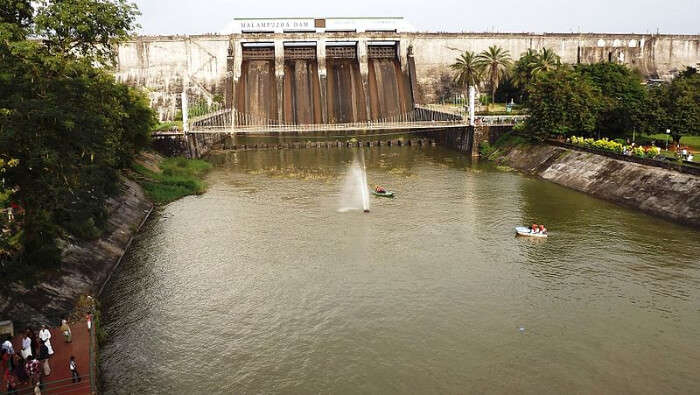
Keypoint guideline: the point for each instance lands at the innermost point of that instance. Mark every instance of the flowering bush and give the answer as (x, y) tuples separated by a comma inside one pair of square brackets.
[(639, 152), (607, 145), (602, 144), (616, 147), (653, 151)]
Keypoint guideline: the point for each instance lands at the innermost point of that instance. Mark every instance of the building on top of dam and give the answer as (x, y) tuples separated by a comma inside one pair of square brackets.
[(318, 25), (332, 70)]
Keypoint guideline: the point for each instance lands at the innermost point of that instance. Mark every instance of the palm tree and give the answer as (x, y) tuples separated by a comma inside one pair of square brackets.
[(495, 63), (545, 61), (467, 71), (522, 68)]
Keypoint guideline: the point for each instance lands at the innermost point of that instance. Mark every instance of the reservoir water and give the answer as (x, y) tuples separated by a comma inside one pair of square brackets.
[(261, 286)]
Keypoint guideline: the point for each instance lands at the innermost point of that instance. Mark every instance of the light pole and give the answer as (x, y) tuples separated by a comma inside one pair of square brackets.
[(668, 133)]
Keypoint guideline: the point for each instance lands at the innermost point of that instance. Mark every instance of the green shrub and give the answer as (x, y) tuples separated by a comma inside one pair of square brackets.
[(509, 140), (486, 149), (602, 144), (519, 127)]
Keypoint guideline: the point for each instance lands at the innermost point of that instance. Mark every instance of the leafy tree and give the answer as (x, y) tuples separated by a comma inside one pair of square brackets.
[(526, 69), (445, 87), (68, 123), (561, 102), (675, 106), (467, 71), (91, 28), (522, 68), (16, 16), (622, 97), (495, 63)]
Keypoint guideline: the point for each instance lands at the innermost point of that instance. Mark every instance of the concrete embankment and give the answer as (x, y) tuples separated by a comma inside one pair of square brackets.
[(85, 267), (662, 192)]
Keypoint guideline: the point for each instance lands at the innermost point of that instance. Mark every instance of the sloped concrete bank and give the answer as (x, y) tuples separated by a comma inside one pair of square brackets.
[(85, 266), (662, 192)]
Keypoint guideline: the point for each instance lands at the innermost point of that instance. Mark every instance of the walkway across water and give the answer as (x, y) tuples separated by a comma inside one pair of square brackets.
[(420, 118)]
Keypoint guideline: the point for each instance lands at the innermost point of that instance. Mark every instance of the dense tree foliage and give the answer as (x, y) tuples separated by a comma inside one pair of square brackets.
[(604, 99), (609, 100), (675, 106), (562, 101), (525, 71), (63, 118), (620, 105)]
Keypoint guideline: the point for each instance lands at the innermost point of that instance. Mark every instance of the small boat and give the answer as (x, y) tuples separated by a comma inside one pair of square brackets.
[(388, 194), (524, 231)]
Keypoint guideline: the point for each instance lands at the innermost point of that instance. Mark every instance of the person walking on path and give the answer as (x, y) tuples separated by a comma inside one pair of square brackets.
[(66, 331), (20, 370), (44, 357), (45, 336), (26, 346), (34, 344), (7, 346), (73, 366), (10, 382), (9, 352), (33, 369)]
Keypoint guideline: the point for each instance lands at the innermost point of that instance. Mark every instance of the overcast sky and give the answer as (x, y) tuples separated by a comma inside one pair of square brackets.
[(610, 16)]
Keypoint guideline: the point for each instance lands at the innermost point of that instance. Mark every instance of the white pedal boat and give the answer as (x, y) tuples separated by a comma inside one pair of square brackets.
[(524, 231)]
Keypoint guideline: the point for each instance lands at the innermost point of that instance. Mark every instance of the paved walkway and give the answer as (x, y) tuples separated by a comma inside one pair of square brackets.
[(59, 382)]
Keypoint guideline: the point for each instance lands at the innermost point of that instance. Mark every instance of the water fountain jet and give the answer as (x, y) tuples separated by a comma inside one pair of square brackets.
[(355, 192)]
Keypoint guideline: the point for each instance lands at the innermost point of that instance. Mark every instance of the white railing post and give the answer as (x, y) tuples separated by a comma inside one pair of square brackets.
[(185, 113)]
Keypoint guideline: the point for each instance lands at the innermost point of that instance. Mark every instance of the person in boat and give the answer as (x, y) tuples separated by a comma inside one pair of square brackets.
[(535, 228), (379, 189), (543, 230)]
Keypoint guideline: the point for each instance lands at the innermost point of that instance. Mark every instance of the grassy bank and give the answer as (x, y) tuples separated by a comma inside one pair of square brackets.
[(169, 179), (690, 141)]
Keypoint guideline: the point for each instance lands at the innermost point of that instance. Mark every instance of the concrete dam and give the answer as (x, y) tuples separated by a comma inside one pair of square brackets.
[(338, 70), (303, 83)]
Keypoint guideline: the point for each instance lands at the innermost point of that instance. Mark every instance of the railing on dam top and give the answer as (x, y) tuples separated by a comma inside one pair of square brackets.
[(421, 117)]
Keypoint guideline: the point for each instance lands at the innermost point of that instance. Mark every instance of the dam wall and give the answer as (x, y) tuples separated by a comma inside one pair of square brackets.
[(655, 56), (163, 65), (353, 76)]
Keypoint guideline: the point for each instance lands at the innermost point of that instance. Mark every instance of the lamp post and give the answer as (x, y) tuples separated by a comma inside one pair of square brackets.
[(668, 133)]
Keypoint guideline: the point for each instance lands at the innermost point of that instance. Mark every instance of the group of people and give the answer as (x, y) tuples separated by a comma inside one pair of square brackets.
[(30, 365), (539, 229), (685, 154)]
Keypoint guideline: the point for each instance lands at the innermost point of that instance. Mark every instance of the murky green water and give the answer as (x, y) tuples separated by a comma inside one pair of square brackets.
[(261, 286)]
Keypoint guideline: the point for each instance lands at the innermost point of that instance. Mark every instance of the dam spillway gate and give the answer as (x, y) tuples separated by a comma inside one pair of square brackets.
[(297, 82)]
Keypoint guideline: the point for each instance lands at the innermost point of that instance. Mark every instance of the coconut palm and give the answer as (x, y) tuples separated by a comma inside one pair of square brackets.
[(467, 71), (546, 60), (522, 69), (495, 63)]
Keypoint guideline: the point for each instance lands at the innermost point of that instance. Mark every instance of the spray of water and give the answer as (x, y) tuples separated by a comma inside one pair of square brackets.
[(355, 193)]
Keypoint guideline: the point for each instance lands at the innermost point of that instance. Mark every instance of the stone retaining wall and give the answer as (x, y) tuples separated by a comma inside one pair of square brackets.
[(85, 266), (662, 192)]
